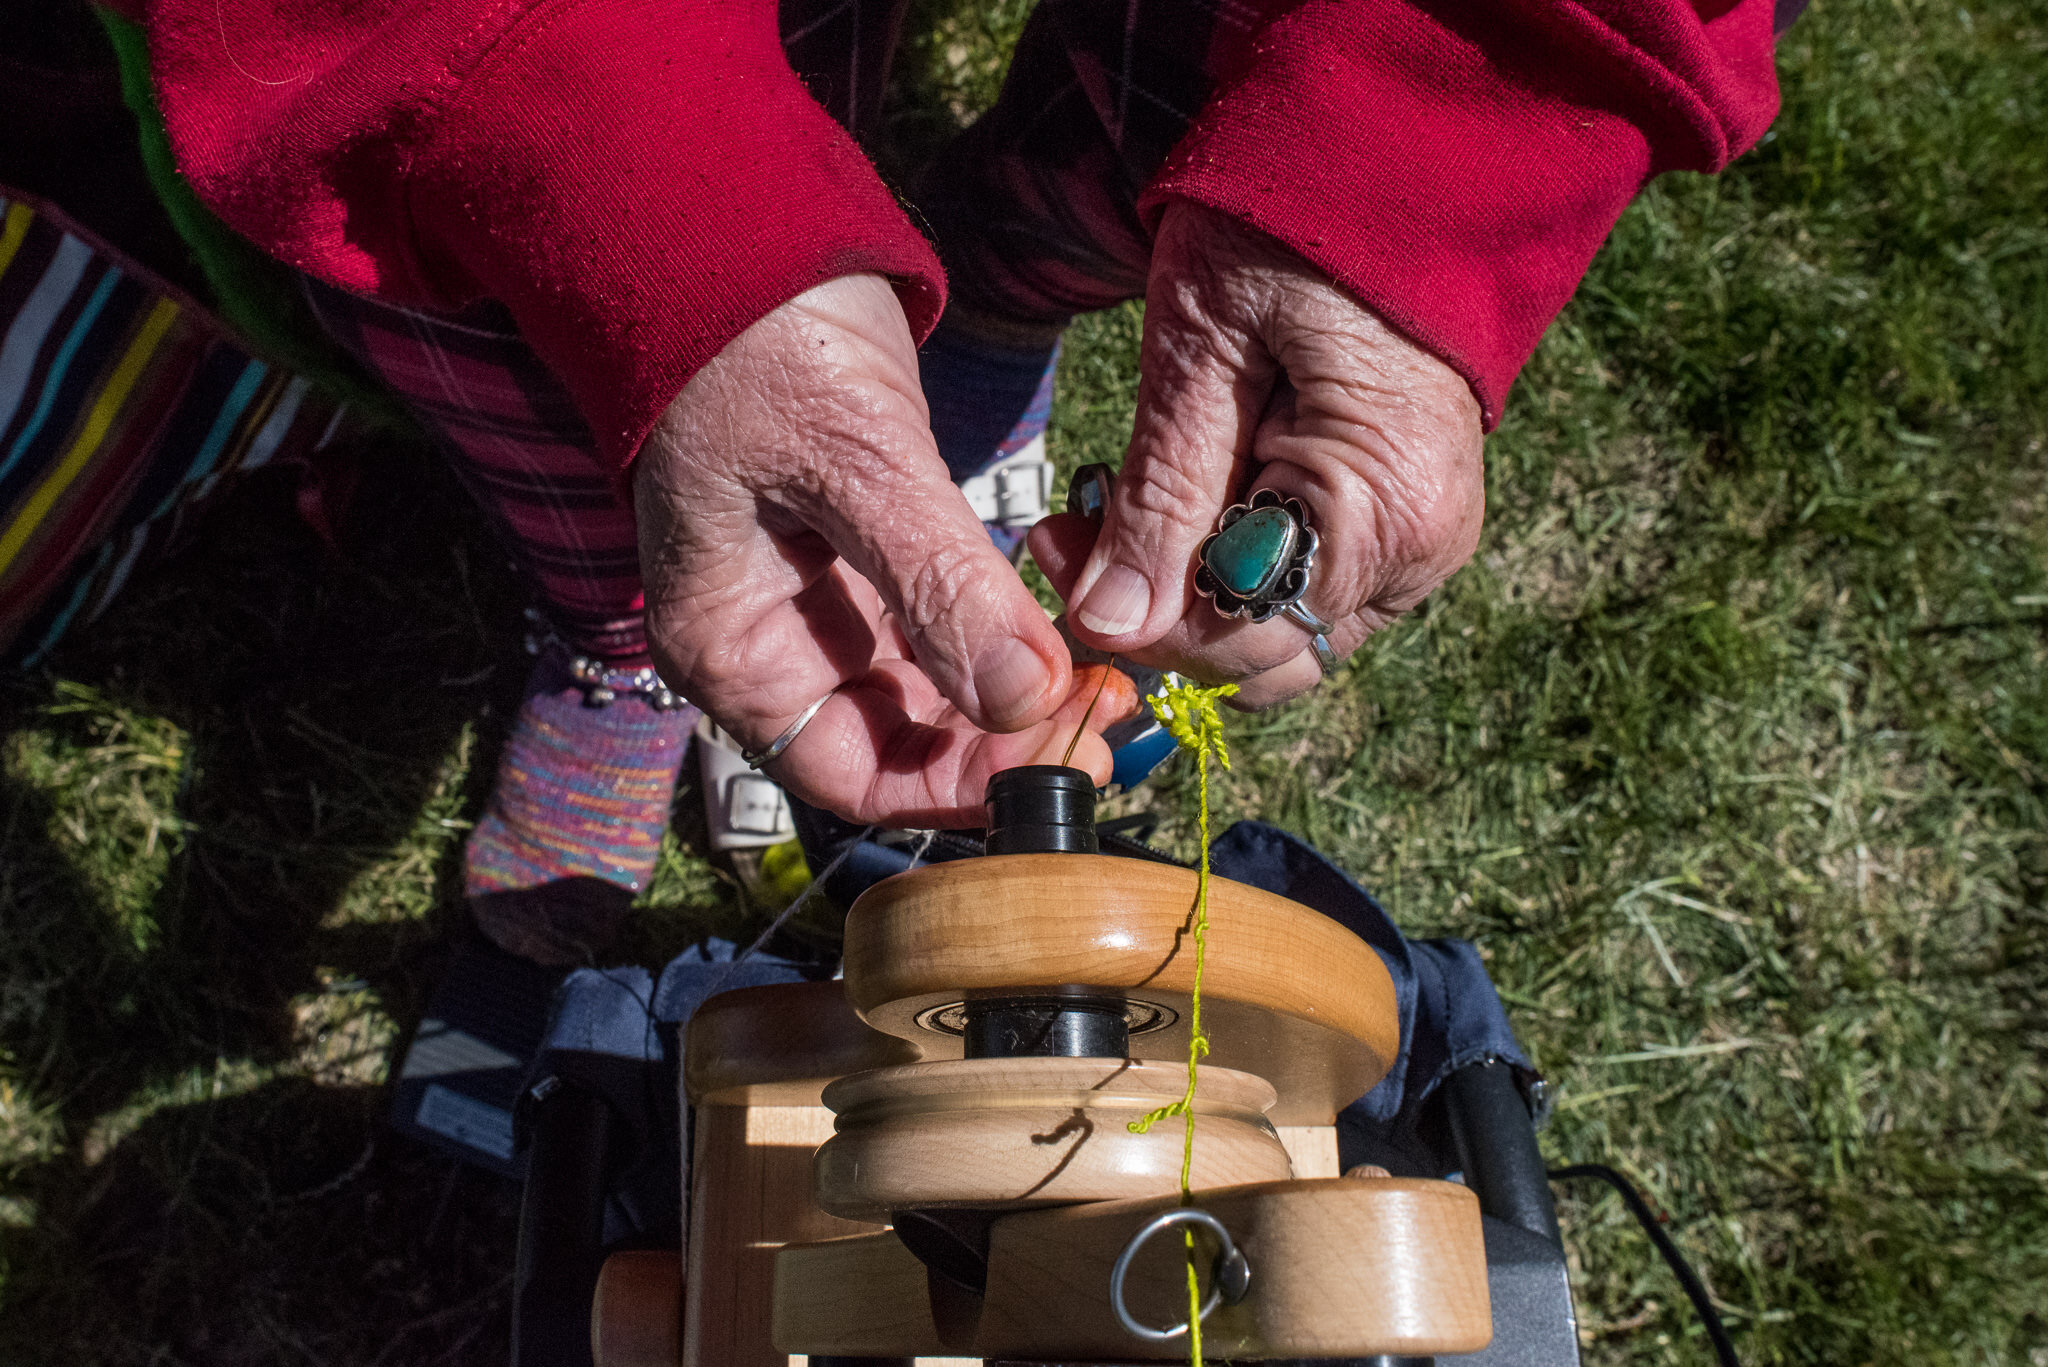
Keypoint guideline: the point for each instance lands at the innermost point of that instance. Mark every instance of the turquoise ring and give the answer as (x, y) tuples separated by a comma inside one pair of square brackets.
[(1258, 560)]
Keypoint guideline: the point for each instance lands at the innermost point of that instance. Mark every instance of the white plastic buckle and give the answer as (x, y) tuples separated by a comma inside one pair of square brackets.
[(747, 811), (1014, 492), (754, 805)]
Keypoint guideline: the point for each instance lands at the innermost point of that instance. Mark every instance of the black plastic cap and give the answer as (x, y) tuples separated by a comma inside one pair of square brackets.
[(1041, 809), (1046, 1027)]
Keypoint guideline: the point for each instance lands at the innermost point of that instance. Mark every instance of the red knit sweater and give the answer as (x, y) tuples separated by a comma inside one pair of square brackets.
[(639, 180)]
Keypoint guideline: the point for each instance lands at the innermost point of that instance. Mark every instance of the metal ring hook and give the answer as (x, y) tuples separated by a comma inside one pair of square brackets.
[(1229, 1282)]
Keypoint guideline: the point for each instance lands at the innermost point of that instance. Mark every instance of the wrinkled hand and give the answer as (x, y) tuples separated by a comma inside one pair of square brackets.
[(1258, 372), (800, 534)]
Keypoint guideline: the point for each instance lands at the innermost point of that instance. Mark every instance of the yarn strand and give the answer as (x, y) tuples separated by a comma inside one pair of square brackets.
[(1189, 714)]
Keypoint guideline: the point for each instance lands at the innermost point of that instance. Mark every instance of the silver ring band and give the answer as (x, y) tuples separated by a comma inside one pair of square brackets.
[(756, 758), (1227, 1284), (1298, 612), (1326, 658)]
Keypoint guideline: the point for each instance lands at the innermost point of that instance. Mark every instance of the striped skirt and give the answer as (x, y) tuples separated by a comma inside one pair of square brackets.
[(123, 407)]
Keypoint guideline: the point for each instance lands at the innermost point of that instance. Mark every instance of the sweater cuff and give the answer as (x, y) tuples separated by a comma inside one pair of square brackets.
[(1458, 179), (641, 180)]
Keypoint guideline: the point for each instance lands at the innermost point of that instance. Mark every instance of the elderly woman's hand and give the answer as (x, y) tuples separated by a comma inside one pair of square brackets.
[(1260, 373), (800, 535)]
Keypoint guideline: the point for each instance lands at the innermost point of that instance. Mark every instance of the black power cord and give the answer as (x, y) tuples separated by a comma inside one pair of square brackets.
[(1702, 1303)]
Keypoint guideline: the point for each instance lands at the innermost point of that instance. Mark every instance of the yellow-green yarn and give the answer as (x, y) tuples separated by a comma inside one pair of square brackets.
[(1189, 714)]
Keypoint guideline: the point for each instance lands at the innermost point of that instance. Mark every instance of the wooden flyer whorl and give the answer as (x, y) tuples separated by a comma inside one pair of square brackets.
[(1019, 1132), (1288, 994)]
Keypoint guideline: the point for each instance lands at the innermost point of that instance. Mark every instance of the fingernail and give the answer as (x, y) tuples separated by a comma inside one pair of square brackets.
[(1118, 602), (1009, 679)]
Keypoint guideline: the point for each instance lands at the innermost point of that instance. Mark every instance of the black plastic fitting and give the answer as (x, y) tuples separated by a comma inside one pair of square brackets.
[(1046, 1027), (1041, 809), (561, 1227), (1496, 1144)]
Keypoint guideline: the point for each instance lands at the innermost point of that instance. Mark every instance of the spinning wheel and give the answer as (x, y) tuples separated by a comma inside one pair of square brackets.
[(934, 1158), (1051, 994)]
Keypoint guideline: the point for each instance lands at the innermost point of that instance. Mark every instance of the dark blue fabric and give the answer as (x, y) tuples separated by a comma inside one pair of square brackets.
[(604, 1038), (621, 1012), (979, 393), (618, 1032), (1450, 1014), (606, 1013), (708, 969)]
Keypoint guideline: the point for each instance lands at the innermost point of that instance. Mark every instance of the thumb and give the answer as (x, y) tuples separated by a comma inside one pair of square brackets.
[(973, 628), (866, 475), (1202, 391)]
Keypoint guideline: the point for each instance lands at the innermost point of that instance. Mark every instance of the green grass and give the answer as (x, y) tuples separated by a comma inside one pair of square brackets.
[(1730, 750)]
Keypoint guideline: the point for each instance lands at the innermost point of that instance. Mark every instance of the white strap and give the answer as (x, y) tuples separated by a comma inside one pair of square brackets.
[(746, 810), (1014, 492), (755, 806)]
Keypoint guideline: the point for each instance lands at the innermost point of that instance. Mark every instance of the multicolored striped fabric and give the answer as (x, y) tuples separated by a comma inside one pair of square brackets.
[(123, 406)]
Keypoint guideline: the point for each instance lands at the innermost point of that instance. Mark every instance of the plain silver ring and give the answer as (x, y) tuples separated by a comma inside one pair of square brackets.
[(1326, 658), (756, 758), (1298, 612)]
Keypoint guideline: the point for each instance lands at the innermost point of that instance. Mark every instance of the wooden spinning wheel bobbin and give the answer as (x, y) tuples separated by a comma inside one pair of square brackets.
[(1012, 1133), (1000, 1023), (1048, 988)]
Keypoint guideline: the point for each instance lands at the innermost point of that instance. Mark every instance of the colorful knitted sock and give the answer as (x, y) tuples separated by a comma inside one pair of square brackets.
[(988, 400), (575, 821)]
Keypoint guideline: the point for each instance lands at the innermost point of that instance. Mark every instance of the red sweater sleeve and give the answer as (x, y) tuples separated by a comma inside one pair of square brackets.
[(637, 180), (1455, 165)]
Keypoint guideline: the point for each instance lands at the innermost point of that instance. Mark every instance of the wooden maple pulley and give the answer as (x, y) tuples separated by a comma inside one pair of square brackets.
[(1287, 995), (1050, 995), (1012, 1133)]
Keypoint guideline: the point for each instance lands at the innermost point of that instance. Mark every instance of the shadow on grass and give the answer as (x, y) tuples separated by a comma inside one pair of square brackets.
[(258, 1229), (231, 816), (192, 1038)]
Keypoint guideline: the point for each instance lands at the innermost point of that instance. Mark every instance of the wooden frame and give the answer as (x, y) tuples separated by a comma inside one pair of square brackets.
[(1301, 1016)]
